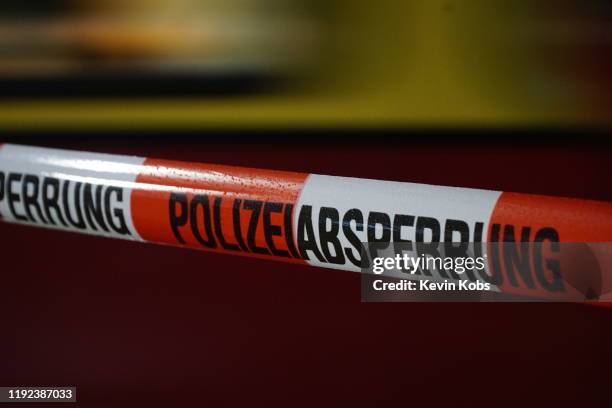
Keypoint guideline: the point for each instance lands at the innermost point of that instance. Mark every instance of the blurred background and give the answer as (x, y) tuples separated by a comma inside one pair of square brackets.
[(132, 324), (244, 63)]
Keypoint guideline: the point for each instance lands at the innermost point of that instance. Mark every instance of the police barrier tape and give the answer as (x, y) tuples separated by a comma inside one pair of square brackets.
[(296, 217)]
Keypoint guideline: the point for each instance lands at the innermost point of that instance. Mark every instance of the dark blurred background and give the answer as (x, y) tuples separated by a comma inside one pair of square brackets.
[(244, 63), (140, 324), (502, 95)]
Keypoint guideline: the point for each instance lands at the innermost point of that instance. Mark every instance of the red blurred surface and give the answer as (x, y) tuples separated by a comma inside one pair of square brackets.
[(137, 324)]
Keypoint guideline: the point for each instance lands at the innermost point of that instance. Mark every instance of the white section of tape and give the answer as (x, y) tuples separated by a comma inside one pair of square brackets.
[(419, 200), (69, 190)]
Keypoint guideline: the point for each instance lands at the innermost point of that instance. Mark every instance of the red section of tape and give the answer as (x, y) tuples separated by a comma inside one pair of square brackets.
[(562, 264), (222, 208), (574, 220)]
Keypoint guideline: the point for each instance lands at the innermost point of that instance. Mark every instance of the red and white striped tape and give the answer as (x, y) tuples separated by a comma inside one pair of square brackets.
[(295, 217)]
